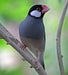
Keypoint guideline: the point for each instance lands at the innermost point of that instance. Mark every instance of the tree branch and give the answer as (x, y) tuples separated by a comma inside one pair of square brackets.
[(24, 53), (58, 38)]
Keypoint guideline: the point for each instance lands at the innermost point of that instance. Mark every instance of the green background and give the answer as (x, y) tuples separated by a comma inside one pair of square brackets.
[(12, 12)]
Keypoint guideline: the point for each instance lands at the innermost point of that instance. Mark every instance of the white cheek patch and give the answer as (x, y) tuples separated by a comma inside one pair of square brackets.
[(35, 13)]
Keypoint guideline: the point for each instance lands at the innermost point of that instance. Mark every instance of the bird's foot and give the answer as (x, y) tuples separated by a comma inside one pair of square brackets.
[(37, 60), (23, 46), (37, 67)]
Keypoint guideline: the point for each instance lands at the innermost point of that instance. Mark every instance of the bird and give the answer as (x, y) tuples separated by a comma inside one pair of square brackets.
[(32, 32)]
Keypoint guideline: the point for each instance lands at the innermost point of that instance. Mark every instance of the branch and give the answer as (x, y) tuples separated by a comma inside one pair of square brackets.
[(24, 53), (58, 38)]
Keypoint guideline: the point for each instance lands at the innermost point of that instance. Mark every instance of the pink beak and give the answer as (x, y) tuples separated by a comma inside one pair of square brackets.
[(45, 9)]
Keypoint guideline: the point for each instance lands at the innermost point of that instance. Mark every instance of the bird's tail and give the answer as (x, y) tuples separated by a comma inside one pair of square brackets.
[(42, 60)]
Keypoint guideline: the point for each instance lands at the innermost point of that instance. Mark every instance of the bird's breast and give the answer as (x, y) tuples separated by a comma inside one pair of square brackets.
[(31, 29)]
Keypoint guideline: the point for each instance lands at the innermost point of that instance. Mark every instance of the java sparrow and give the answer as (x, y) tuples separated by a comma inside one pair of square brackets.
[(32, 31)]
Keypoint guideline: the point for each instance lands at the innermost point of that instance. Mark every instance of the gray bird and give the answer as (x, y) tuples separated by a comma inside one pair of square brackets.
[(32, 31)]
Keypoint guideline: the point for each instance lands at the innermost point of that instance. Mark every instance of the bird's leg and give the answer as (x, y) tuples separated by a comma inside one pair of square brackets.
[(38, 58), (23, 46)]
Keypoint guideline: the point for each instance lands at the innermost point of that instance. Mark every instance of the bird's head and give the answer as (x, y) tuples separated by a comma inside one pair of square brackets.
[(38, 11)]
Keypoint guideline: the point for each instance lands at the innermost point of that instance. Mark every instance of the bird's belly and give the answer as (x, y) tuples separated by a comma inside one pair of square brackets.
[(34, 45), (33, 33)]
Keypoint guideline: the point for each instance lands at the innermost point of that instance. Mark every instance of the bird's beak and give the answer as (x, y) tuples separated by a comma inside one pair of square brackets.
[(45, 9)]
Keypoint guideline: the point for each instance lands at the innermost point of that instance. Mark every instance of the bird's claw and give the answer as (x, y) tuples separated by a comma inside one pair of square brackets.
[(23, 46), (37, 67), (36, 60)]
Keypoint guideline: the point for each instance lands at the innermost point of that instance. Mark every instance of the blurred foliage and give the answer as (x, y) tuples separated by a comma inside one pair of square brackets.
[(16, 10), (2, 43), (16, 71)]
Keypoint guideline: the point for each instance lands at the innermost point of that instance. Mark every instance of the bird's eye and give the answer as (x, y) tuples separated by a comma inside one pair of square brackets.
[(38, 9)]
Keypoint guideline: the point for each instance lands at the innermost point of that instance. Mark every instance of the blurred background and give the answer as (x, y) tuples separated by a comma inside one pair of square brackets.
[(12, 13)]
